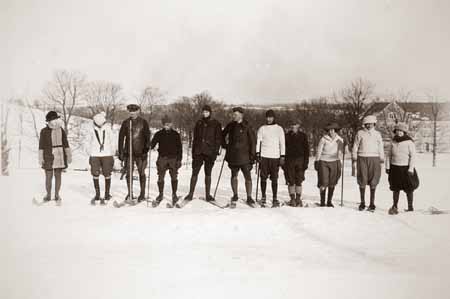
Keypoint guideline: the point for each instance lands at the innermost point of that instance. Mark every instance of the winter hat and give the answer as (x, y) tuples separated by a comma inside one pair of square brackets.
[(166, 119), (370, 119), (332, 125), (270, 113), (207, 108), (100, 119), (238, 109), (52, 115), (401, 127)]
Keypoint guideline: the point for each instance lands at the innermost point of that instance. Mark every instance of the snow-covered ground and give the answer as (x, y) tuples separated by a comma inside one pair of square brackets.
[(81, 251)]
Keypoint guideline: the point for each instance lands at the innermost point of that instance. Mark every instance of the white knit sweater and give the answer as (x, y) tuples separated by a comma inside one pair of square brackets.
[(94, 145), (368, 143), (330, 149), (402, 154), (271, 139)]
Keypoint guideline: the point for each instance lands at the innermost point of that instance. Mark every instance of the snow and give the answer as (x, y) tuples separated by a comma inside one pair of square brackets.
[(80, 251)]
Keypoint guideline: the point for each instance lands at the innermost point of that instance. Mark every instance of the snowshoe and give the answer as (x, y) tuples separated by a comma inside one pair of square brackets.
[(93, 200), (157, 201), (58, 200), (250, 202), (189, 197), (233, 204), (209, 198), (292, 202), (275, 203), (371, 208), (393, 211), (330, 204), (362, 206), (102, 201)]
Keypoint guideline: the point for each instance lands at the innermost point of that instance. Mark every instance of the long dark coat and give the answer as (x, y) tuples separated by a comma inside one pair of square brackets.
[(239, 139)]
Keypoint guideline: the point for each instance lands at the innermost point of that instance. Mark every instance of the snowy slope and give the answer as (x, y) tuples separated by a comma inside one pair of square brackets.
[(81, 251)]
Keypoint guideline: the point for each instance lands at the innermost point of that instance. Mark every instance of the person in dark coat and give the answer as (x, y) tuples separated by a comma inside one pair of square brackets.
[(140, 146), (297, 160), (54, 153), (239, 140), (170, 154), (400, 167), (205, 149)]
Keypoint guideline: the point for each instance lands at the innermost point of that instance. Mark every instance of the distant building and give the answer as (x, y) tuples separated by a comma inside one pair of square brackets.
[(419, 117)]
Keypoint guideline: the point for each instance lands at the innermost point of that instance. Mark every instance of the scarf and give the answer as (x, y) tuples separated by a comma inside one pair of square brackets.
[(399, 139), (101, 143)]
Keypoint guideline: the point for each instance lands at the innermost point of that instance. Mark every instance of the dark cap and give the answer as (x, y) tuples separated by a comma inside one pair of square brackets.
[(270, 113), (133, 107), (207, 108), (238, 109), (166, 119), (52, 115), (334, 126)]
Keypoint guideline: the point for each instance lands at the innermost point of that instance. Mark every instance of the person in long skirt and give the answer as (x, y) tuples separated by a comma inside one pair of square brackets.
[(328, 163), (400, 165), (54, 153)]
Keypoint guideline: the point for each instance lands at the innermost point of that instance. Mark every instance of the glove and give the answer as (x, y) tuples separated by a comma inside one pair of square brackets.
[(258, 157), (411, 172), (282, 161), (316, 165), (121, 156), (387, 171), (178, 164), (250, 166)]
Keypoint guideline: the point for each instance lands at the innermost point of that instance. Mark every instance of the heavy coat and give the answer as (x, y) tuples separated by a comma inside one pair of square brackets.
[(240, 142), (297, 146), (140, 136), (207, 137), (54, 150)]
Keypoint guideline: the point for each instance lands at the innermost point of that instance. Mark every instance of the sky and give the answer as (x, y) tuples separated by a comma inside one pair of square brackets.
[(254, 51)]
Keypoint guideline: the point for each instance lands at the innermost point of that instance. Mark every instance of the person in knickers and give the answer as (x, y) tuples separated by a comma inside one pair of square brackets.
[(101, 155), (54, 153), (170, 153), (205, 149), (140, 146), (367, 156), (270, 153), (240, 142), (328, 163), (297, 160), (400, 164)]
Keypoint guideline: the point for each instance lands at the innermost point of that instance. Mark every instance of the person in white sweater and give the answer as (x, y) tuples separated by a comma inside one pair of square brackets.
[(367, 156), (270, 153), (328, 163), (400, 167), (101, 152)]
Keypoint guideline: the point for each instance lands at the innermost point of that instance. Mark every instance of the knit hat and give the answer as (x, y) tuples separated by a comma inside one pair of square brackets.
[(166, 119), (370, 119), (100, 119), (207, 108), (52, 115), (238, 109), (401, 127), (332, 125), (270, 113)]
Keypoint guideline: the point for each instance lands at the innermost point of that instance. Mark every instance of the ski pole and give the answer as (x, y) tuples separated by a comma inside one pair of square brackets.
[(130, 160), (258, 166), (220, 175), (342, 175), (148, 182)]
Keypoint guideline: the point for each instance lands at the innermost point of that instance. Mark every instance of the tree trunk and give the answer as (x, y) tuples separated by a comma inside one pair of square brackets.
[(434, 141)]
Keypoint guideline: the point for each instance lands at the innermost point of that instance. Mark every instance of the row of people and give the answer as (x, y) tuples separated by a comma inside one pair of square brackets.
[(270, 147)]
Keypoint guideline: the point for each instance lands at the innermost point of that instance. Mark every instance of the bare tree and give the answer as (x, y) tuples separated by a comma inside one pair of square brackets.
[(64, 92), (149, 98), (4, 161), (436, 113), (357, 101), (104, 97)]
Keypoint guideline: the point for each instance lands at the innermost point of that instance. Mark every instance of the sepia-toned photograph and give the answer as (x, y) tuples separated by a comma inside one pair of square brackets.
[(204, 149)]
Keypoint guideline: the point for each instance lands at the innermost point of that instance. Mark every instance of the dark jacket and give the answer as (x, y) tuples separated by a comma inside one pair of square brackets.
[(240, 142), (207, 137), (46, 148), (140, 136), (169, 144), (297, 146)]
